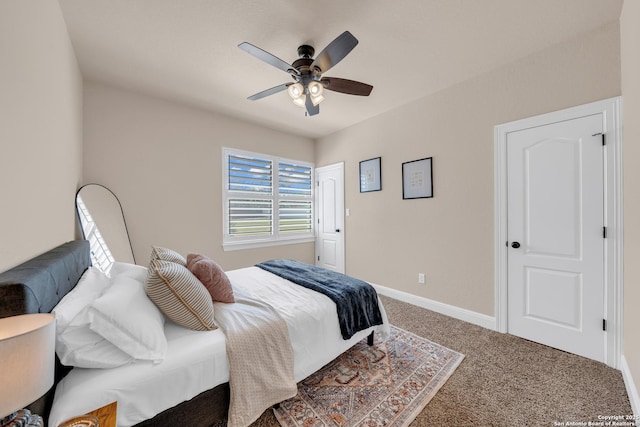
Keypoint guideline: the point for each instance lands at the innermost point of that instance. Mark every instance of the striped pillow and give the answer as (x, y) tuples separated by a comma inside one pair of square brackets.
[(164, 254), (180, 295)]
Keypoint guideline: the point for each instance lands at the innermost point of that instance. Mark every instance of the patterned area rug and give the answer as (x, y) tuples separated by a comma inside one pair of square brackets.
[(387, 384)]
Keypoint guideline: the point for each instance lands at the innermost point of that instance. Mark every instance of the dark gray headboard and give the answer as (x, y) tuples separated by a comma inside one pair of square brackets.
[(37, 285)]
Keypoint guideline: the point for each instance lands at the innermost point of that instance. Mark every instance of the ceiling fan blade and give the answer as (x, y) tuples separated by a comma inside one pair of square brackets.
[(268, 92), (265, 56), (312, 110), (350, 87), (334, 52)]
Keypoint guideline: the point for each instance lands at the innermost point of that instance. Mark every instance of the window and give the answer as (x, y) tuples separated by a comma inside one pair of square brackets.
[(267, 200), (100, 254)]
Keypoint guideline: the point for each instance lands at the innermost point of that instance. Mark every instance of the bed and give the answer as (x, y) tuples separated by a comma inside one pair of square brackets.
[(190, 386)]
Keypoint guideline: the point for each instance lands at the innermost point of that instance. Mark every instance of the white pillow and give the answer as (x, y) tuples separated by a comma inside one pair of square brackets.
[(123, 269), (126, 317), (90, 286), (77, 345)]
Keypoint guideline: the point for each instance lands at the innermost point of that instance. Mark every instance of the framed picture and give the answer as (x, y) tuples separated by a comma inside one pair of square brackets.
[(370, 175), (417, 179)]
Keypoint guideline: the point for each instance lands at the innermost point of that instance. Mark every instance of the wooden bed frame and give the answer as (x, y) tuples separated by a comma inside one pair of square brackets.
[(37, 285)]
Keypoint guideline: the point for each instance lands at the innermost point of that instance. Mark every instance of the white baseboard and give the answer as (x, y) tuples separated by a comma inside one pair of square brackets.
[(490, 323), (439, 307), (632, 391)]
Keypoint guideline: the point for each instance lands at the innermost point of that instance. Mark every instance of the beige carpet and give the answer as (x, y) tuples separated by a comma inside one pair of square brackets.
[(504, 380), (387, 384)]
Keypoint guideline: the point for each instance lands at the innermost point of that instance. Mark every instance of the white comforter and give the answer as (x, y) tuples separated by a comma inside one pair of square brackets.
[(197, 361)]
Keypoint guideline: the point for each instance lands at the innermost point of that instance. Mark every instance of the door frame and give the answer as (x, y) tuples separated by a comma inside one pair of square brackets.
[(612, 116), (340, 167)]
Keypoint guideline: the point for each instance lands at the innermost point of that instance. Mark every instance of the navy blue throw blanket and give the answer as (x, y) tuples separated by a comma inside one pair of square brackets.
[(356, 300)]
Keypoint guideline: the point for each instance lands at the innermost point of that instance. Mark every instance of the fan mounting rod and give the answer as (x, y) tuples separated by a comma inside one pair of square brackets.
[(306, 51), (303, 64)]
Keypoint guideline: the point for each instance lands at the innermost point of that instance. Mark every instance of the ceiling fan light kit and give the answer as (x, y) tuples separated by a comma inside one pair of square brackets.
[(296, 90), (315, 92), (307, 73)]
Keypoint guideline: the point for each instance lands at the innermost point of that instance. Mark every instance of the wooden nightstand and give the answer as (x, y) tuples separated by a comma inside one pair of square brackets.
[(106, 417), (107, 414)]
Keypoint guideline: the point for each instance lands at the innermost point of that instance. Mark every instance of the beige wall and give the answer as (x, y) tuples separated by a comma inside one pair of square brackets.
[(40, 130), (163, 160), (166, 159), (630, 52), (450, 237)]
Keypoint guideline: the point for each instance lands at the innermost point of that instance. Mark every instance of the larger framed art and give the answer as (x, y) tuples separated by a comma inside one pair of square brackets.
[(417, 179)]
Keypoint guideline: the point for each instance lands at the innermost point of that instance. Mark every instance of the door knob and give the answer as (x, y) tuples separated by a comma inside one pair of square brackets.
[(337, 230), (515, 245)]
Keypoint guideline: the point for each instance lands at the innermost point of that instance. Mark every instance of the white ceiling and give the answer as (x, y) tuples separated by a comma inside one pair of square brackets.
[(186, 50)]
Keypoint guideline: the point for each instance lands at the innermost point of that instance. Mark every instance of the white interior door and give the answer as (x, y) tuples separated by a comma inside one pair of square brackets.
[(330, 217), (556, 247)]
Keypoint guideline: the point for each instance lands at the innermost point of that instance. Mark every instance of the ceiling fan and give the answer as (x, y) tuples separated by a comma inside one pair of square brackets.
[(307, 88)]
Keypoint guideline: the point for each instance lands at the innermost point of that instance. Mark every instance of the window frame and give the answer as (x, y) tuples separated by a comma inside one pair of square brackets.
[(231, 243)]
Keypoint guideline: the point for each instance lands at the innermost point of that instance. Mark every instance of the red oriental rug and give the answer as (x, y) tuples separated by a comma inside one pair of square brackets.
[(387, 384)]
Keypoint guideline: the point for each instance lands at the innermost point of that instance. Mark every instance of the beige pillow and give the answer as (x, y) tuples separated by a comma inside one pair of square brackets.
[(164, 254), (180, 295), (212, 277)]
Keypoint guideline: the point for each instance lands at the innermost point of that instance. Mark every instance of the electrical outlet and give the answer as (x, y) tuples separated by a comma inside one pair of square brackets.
[(421, 278)]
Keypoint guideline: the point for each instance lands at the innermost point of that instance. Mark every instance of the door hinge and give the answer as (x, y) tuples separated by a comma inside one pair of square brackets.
[(318, 257), (604, 142), (317, 183), (604, 232), (604, 324)]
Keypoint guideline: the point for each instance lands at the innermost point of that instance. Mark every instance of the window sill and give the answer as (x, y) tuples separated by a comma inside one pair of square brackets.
[(236, 246)]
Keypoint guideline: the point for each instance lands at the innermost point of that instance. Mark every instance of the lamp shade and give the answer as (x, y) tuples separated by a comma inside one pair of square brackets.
[(296, 90), (27, 362), (315, 89), (315, 92)]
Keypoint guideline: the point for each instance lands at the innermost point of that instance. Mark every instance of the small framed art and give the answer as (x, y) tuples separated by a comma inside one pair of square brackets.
[(417, 179), (370, 175)]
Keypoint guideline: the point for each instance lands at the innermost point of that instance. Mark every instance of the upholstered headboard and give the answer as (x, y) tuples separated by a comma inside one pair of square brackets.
[(37, 285)]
